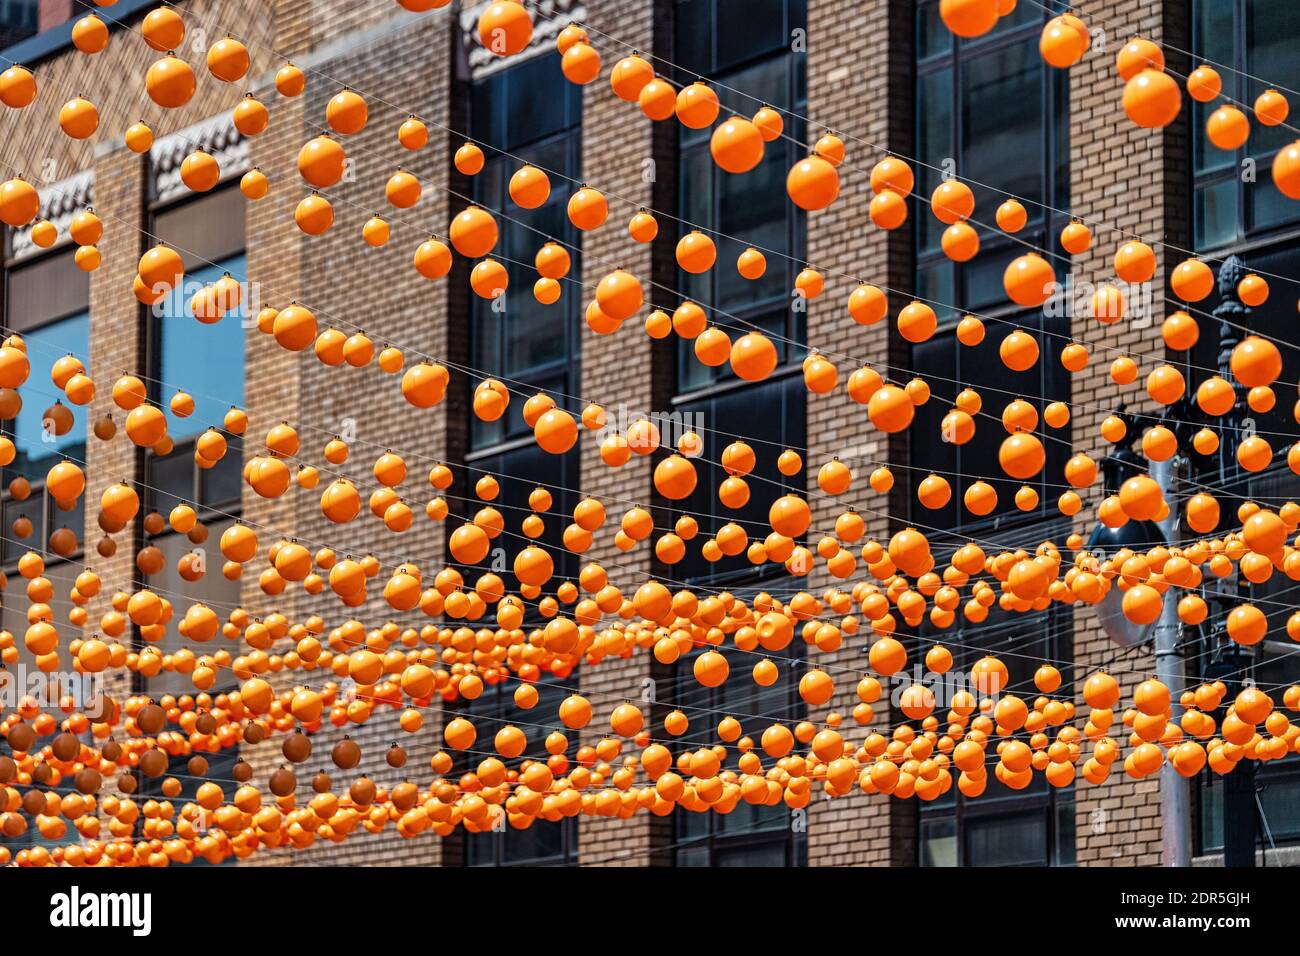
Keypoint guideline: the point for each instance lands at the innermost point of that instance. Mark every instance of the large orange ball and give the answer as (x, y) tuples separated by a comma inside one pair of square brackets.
[(969, 18), (1256, 361), (1021, 455), (1152, 99), (1029, 280), (505, 28), (736, 145), (812, 183)]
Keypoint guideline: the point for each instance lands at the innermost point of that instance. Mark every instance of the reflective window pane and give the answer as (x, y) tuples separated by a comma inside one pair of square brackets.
[(206, 360), (47, 427)]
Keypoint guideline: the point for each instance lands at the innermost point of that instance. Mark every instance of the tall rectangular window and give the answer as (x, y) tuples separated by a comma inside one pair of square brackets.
[(1233, 193), (534, 114), (527, 114), (752, 206), (205, 360), (47, 302), (760, 62), (990, 113)]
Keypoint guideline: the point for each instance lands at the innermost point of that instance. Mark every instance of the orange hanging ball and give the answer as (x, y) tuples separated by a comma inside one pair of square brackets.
[(1204, 84), (753, 357), (228, 60), (1019, 351), (580, 63), (629, 77), (473, 233), (812, 184), (588, 209), (952, 201), (314, 215), (696, 252), (161, 267), (346, 113), (321, 162), (1135, 262), (79, 118), (1271, 108), (891, 409), (170, 82), (20, 203), (1192, 280), (200, 171), (1256, 361), (1064, 41), (969, 18), (90, 34), (619, 295), (505, 28), (1253, 290), (1021, 456), (529, 187), (1029, 280), (556, 431), (736, 145), (163, 29), (1286, 170), (1227, 128), (697, 105), (17, 87), (675, 478), (1152, 99)]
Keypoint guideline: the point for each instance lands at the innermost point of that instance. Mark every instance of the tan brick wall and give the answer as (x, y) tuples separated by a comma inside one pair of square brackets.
[(349, 286), (1119, 821), (843, 58), (616, 370)]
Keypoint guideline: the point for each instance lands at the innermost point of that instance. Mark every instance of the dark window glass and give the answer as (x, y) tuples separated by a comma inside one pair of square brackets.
[(32, 512), (18, 20), (990, 113), (719, 420), (36, 431), (516, 336), (204, 229), (524, 104), (213, 589), (1017, 840), (1002, 141), (543, 842), (1255, 37), (221, 485), (751, 834), (750, 206), (990, 107), (171, 480), (519, 472)]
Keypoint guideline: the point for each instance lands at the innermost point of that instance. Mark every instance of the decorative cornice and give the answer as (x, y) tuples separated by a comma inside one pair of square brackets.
[(60, 201), (549, 18), (216, 135)]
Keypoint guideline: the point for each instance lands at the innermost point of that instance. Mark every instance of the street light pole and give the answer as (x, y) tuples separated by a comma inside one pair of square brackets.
[(1175, 793)]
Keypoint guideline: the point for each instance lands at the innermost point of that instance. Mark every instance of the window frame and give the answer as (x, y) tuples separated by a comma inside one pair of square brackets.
[(1236, 86), (208, 512), (49, 509), (688, 145), (564, 373)]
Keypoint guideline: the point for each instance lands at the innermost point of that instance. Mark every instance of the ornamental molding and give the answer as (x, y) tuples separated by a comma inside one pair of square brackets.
[(216, 136), (60, 201), (549, 18)]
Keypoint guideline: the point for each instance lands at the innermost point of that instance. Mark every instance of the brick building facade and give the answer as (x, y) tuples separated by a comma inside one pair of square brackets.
[(861, 76)]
